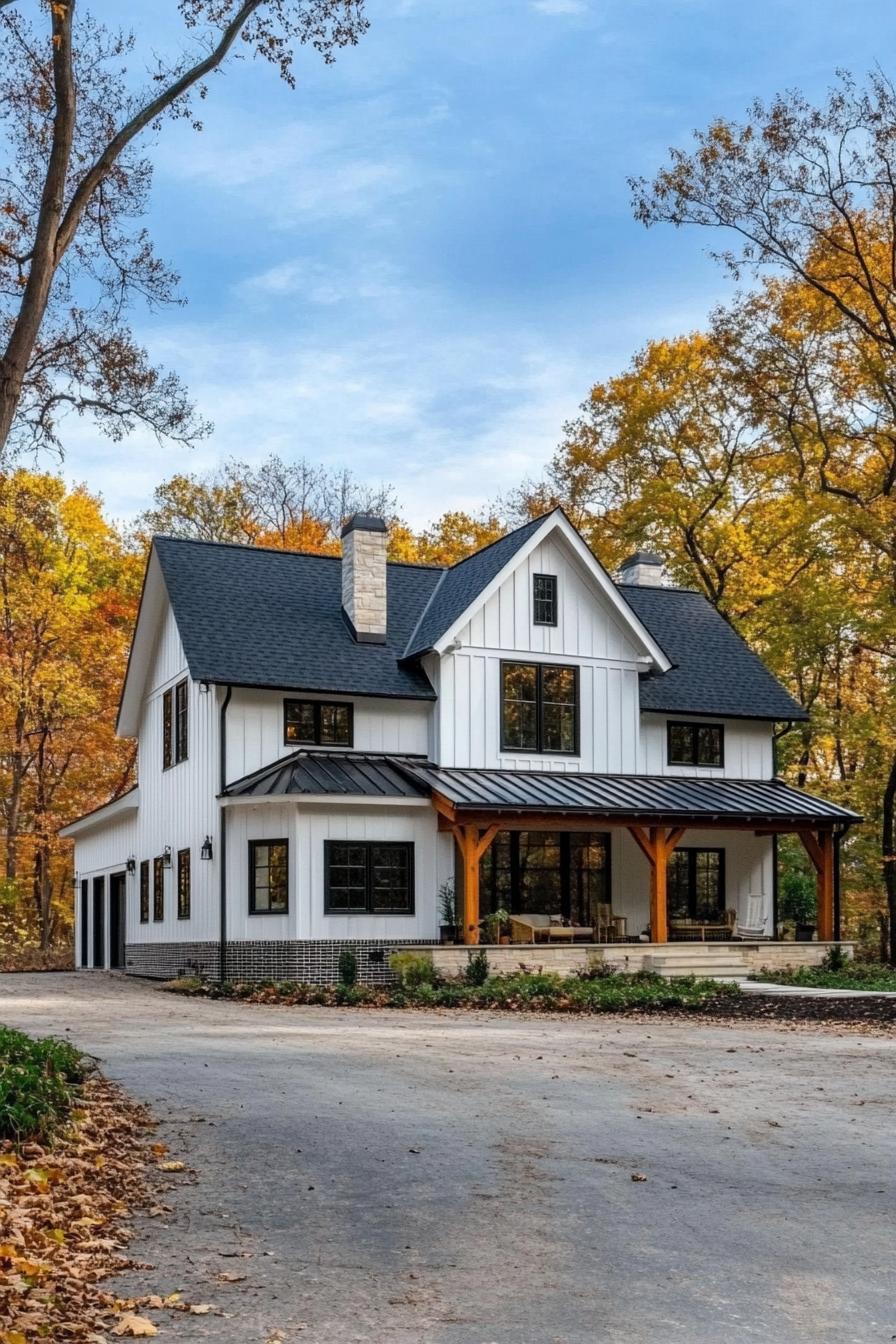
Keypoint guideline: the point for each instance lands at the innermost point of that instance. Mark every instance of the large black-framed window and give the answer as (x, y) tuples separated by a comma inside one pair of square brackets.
[(540, 708), (158, 889), (695, 883), (183, 884), (268, 877), (167, 729), (85, 919), (99, 922), (181, 722), (144, 891), (368, 877), (544, 599), (695, 743), (565, 873), (322, 723)]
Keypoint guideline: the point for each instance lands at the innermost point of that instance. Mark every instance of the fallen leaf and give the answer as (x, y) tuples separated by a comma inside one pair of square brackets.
[(227, 1276), (638, 1176), (200, 1308), (136, 1327), (172, 1166)]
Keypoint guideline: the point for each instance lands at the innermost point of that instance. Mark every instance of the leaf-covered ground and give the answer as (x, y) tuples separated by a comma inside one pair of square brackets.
[(65, 1223)]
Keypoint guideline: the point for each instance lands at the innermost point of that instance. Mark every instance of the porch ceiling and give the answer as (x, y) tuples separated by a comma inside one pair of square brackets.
[(744, 802)]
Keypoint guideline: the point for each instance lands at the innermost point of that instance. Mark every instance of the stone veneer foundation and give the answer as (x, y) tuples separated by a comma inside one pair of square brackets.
[(313, 963)]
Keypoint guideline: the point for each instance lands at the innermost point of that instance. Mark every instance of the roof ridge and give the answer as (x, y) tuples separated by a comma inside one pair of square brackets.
[(286, 550), (503, 537)]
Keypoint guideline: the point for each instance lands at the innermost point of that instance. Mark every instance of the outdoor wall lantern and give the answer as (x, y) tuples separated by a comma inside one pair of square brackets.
[(131, 864), (206, 850), (166, 857), (75, 880)]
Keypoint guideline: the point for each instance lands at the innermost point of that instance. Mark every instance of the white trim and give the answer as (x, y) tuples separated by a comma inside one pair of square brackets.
[(324, 800), (557, 521), (119, 807), (143, 646)]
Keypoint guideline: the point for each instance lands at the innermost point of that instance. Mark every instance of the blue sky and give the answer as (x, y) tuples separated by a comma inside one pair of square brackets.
[(418, 262)]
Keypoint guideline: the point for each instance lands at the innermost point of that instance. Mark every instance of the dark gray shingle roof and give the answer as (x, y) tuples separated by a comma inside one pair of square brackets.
[(255, 617), (462, 583), (634, 796), (715, 672)]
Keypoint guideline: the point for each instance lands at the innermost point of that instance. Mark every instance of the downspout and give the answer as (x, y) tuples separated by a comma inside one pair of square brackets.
[(222, 834)]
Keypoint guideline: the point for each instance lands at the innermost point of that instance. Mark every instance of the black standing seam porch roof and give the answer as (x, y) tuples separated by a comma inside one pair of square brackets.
[(337, 775)]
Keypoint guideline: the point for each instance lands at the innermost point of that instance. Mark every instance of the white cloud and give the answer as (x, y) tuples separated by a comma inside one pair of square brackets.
[(554, 7)]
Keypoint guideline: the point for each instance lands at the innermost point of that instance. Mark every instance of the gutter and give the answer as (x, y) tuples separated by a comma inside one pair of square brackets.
[(222, 836)]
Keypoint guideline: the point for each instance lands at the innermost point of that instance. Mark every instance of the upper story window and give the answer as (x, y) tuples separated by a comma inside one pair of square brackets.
[(175, 724), (318, 723), (695, 744), (539, 708), (544, 599), (268, 877)]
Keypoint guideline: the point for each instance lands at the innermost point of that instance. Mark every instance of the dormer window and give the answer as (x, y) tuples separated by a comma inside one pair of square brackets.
[(696, 744), (318, 723), (544, 599)]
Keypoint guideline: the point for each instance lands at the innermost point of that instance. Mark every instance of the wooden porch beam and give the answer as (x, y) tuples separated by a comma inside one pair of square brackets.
[(472, 845), (659, 918), (642, 840), (812, 848)]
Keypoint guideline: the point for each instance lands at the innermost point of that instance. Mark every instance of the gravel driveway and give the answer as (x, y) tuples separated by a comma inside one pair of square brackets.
[(406, 1177)]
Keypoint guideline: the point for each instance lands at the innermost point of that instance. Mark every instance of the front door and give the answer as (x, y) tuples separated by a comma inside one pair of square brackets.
[(116, 921), (99, 922)]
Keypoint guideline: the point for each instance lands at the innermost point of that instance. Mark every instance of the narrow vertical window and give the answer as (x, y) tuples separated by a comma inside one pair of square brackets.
[(544, 599), (183, 884), (181, 722), (144, 892), (167, 727), (158, 889)]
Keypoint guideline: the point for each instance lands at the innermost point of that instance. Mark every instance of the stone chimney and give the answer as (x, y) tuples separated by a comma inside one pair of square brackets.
[(364, 577), (644, 568)]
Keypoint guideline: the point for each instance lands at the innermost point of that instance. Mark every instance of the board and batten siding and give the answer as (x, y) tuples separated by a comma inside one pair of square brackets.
[(307, 828), (255, 735), (588, 634), (748, 749), (178, 806)]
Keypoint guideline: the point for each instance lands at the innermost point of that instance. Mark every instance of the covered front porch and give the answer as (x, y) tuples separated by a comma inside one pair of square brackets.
[(623, 860)]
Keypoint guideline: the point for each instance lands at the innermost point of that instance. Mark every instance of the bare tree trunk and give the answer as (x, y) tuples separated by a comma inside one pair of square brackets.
[(43, 259)]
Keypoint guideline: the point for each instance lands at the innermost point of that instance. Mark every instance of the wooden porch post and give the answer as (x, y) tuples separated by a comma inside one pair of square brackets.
[(472, 846), (820, 849), (657, 845)]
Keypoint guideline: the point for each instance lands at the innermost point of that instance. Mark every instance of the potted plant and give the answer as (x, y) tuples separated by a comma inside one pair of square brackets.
[(796, 902), (493, 923), (448, 912)]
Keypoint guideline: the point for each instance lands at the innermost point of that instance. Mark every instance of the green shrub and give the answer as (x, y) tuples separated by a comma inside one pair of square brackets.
[(850, 975), (347, 968), (834, 959), (413, 969), (38, 1085), (797, 897), (476, 972)]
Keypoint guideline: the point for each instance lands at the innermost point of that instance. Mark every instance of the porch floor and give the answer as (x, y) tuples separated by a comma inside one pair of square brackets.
[(730, 960)]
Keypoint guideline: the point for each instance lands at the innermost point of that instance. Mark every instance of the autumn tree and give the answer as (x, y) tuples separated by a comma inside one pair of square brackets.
[(74, 184), (68, 593), (292, 505)]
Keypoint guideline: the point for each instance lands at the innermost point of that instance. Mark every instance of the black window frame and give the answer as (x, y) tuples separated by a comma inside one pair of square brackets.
[(167, 729), (551, 581), (253, 845), (144, 891), (85, 922), (316, 707), (692, 851), (540, 749), (368, 907), (184, 866), (181, 721), (694, 727), (158, 890)]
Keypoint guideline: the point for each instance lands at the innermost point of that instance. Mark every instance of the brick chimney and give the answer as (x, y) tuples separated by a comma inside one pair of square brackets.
[(364, 577), (644, 568)]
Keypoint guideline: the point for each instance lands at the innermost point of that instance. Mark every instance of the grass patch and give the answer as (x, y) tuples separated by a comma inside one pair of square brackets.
[(851, 975), (38, 1086), (522, 992)]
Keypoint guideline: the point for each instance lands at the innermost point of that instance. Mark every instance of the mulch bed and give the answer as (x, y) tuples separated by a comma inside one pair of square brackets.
[(797, 1009)]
